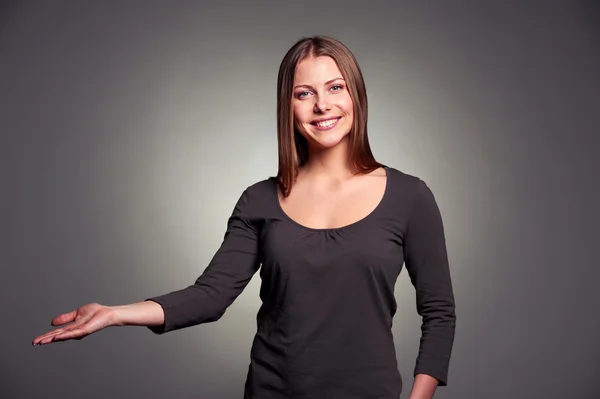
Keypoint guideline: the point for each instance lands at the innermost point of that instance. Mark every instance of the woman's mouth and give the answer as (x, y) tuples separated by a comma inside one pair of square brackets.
[(326, 124)]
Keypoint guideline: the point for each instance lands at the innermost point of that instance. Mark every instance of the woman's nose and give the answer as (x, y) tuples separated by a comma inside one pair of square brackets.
[(322, 105)]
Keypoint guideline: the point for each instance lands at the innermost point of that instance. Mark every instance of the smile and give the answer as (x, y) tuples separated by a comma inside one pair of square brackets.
[(326, 123)]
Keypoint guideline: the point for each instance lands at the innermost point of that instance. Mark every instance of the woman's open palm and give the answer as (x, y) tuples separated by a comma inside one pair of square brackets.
[(84, 321)]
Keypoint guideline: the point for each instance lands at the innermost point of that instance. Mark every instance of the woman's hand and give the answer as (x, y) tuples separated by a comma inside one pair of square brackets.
[(84, 321)]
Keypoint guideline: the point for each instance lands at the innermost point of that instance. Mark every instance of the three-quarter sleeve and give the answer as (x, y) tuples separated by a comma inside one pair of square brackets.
[(225, 277), (426, 261)]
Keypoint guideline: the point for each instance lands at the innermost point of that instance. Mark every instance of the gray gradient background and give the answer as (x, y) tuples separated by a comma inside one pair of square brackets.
[(129, 129)]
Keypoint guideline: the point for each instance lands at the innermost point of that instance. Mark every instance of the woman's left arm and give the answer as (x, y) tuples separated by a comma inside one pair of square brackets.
[(426, 261)]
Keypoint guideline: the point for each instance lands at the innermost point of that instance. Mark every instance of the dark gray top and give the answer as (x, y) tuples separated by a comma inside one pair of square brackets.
[(324, 326)]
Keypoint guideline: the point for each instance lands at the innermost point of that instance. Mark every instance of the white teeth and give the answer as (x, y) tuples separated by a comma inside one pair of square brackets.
[(326, 123)]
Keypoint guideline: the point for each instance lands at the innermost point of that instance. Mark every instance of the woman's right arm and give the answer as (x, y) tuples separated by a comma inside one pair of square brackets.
[(205, 301), (226, 275), (94, 317)]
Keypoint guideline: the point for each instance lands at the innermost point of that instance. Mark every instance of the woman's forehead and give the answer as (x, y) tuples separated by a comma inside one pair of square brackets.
[(316, 70)]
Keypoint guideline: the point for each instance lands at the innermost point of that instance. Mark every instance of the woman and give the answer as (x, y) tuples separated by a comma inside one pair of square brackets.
[(330, 234)]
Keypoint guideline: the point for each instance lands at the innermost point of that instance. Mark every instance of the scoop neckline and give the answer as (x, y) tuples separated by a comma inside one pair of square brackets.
[(347, 226)]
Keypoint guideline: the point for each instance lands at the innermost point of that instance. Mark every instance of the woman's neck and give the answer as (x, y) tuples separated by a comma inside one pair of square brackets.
[(329, 163)]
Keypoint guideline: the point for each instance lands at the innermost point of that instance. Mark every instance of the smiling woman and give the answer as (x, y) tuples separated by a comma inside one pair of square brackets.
[(323, 111), (321, 79), (330, 233)]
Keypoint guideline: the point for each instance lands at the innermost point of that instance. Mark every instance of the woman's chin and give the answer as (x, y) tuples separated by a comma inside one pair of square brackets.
[(326, 141), (325, 144)]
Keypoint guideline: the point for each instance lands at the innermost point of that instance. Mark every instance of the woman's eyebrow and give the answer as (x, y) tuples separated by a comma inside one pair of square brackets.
[(326, 83)]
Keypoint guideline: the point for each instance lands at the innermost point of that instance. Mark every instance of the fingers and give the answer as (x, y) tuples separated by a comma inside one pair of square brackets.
[(48, 337), (58, 335), (57, 321), (77, 333), (61, 333)]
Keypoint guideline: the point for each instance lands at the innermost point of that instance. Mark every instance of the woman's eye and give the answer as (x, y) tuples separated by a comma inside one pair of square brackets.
[(302, 94), (337, 87)]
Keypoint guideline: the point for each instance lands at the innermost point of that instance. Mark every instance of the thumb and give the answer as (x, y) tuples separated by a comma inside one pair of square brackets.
[(64, 318)]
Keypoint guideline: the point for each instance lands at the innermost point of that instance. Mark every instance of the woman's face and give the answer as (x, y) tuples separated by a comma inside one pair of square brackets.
[(323, 110)]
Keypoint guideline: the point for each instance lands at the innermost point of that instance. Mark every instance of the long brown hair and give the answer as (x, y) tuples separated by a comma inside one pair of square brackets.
[(293, 147)]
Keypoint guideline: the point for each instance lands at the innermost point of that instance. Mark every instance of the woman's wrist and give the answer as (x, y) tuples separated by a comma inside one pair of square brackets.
[(147, 313), (424, 387)]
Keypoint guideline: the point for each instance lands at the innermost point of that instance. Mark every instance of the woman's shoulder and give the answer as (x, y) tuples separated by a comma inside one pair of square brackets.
[(408, 187), (402, 180), (259, 197), (262, 187)]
